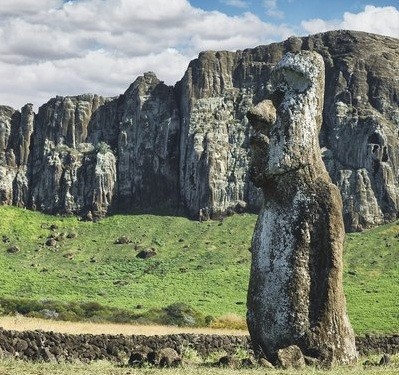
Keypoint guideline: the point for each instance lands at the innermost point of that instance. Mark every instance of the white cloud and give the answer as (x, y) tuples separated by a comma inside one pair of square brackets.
[(216, 31), (22, 7), (378, 20), (272, 9), (48, 47), (30, 42), (235, 3)]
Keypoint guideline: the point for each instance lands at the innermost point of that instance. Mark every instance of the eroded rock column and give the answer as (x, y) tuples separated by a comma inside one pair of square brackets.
[(295, 294)]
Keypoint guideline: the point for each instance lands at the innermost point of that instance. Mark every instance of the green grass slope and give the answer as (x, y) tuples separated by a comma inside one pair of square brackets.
[(204, 265)]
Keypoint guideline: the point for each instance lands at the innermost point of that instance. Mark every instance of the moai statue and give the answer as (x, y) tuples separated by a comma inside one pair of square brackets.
[(295, 294)]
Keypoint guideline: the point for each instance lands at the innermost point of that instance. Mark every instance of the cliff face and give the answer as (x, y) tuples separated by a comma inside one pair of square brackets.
[(214, 136), (88, 154), (361, 123), (148, 146), (15, 136), (186, 147), (359, 136), (65, 173)]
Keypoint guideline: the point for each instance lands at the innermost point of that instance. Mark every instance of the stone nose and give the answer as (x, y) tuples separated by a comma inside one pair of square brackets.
[(262, 116)]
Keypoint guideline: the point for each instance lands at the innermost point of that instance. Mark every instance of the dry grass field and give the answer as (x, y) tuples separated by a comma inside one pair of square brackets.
[(21, 323)]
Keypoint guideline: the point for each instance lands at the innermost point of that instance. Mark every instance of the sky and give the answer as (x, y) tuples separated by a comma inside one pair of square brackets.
[(57, 47)]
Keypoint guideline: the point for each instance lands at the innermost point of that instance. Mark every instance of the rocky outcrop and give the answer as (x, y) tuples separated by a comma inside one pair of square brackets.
[(88, 154), (360, 129), (295, 294), (186, 148), (148, 146), (66, 174), (214, 136), (16, 129)]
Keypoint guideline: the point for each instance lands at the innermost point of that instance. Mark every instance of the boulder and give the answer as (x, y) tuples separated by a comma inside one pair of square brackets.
[(137, 359), (13, 249), (123, 240), (147, 253), (47, 356), (290, 357), (51, 242), (165, 357), (263, 362)]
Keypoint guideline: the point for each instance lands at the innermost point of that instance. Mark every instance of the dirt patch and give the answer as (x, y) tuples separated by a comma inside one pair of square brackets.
[(21, 323)]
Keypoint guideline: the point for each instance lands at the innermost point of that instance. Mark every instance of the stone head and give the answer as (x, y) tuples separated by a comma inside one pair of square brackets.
[(287, 126)]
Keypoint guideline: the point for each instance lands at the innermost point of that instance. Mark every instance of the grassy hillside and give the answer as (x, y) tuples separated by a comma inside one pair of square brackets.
[(204, 265), (371, 279)]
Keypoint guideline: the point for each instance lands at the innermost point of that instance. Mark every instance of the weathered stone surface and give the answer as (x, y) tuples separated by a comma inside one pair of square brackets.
[(15, 134), (146, 253), (361, 117), (88, 154), (295, 294), (138, 358), (66, 174), (214, 136), (13, 249), (148, 146), (165, 357), (186, 148), (263, 362)]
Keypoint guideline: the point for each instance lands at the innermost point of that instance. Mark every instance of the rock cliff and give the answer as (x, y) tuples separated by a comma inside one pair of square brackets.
[(186, 148), (359, 132)]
